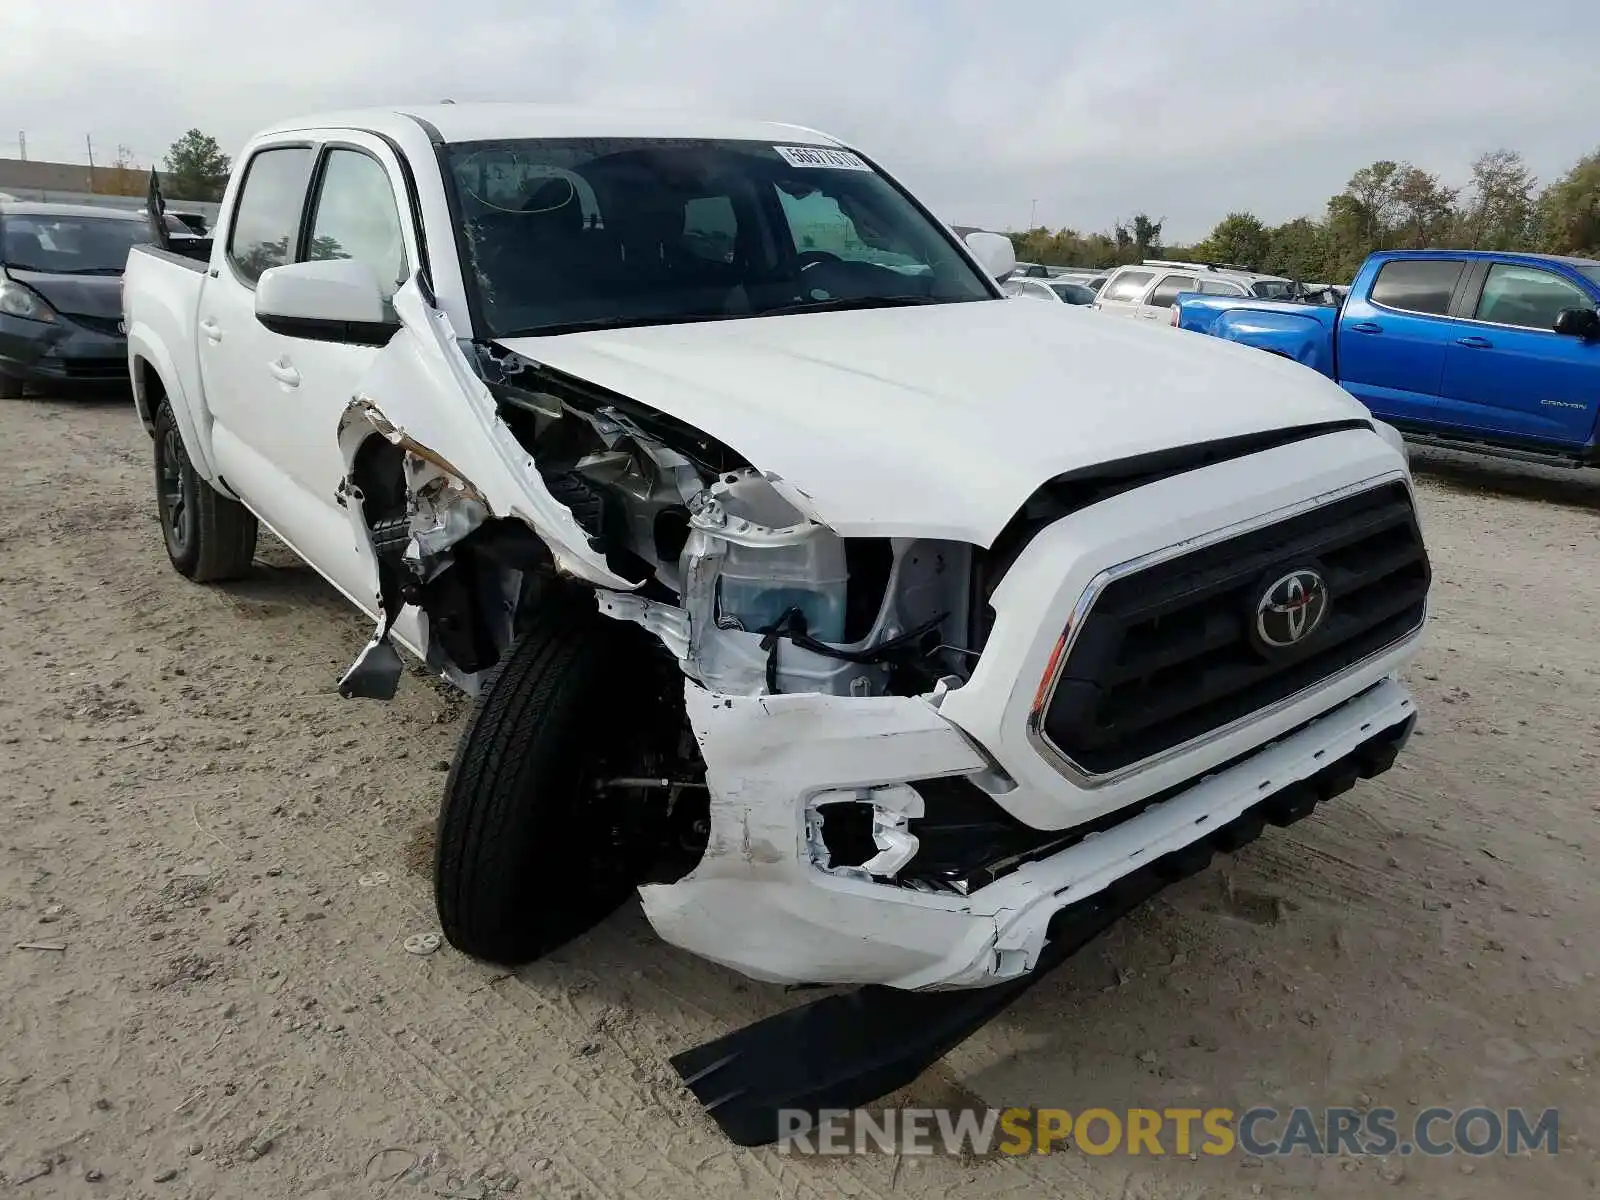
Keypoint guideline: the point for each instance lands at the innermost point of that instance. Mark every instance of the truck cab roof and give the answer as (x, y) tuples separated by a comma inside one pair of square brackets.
[(1569, 260), (496, 121)]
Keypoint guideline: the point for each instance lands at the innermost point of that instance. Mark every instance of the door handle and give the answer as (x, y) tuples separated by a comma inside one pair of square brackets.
[(1365, 327), (211, 329), (1475, 343), (283, 371)]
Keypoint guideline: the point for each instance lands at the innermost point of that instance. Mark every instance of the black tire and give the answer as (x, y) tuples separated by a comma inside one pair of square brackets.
[(11, 388), (527, 858), (208, 536)]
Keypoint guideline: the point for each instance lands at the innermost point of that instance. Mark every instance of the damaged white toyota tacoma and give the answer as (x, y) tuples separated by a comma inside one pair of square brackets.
[(874, 628)]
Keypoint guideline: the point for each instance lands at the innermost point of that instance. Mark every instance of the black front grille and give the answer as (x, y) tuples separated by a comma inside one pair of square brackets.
[(95, 368), (1166, 654), (105, 325)]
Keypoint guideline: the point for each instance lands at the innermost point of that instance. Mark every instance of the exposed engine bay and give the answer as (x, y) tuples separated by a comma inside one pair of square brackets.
[(751, 595)]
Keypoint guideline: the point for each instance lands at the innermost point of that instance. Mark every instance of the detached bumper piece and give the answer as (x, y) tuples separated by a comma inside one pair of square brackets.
[(847, 1050)]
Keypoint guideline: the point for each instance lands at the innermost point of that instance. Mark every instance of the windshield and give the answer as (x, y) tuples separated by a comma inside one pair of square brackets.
[(583, 233), (1590, 271), (1073, 293), (69, 245), (1273, 289)]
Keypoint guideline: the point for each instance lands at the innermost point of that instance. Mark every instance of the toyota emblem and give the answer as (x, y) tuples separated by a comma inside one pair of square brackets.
[(1291, 609)]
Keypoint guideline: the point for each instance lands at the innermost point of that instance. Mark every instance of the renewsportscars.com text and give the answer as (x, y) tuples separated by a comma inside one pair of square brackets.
[(1263, 1132)]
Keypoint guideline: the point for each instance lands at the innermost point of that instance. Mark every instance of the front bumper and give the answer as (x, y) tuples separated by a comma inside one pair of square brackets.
[(766, 900), (758, 902), (62, 352)]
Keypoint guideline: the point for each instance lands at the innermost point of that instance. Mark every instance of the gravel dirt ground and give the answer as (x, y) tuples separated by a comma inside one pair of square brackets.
[(231, 859)]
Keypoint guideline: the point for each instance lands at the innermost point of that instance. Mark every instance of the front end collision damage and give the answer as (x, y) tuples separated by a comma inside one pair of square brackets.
[(819, 756), (461, 465), (848, 1049)]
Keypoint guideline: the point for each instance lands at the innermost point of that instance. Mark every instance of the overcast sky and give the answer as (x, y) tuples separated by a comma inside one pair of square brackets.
[(1184, 109)]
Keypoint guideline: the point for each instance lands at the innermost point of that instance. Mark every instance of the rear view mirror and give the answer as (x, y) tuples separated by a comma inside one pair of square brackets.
[(994, 253), (1581, 323), (330, 300)]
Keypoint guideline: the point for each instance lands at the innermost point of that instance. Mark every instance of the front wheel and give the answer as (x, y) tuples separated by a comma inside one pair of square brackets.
[(530, 854), (208, 536)]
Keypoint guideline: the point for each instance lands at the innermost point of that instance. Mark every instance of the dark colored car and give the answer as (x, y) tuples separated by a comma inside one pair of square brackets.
[(61, 295)]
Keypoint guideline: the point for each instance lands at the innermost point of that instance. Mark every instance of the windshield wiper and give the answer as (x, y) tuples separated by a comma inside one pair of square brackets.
[(596, 323), (64, 270), (846, 303)]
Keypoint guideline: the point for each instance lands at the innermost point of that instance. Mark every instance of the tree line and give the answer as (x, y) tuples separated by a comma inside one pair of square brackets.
[(194, 168), (1386, 205)]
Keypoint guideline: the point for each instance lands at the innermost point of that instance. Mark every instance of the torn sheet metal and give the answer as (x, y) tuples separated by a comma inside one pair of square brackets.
[(424, 396), (462, 466), (766, 758)]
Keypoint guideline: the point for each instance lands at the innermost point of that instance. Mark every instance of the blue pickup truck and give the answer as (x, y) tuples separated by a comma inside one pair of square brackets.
[(1475, 350)]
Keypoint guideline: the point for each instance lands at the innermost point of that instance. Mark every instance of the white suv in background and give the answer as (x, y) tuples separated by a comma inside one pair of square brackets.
[(1147, 290)]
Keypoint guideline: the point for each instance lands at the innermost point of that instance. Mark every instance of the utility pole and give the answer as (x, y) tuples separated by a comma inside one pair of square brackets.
[(22, 140), (89, 142), (1033, 216)]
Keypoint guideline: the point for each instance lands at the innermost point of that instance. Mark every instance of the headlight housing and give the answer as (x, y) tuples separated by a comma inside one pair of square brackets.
[(17, 300)]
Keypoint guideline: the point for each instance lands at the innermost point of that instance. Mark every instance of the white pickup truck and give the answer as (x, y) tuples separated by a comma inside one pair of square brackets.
[(870, 626)]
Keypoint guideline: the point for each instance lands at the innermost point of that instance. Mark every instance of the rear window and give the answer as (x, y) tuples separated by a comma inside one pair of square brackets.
[(1126, 286), (1418, 285), (1167, 290)]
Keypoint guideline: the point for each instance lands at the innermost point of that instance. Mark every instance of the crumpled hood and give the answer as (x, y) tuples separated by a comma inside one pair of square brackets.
[(940, 421), (75, 295)]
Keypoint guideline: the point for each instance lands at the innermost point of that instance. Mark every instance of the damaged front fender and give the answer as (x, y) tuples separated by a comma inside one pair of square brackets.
[(462, 467)]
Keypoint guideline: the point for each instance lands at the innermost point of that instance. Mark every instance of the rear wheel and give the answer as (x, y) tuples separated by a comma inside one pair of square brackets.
[(208, 536), (529, 854), (11, 388)]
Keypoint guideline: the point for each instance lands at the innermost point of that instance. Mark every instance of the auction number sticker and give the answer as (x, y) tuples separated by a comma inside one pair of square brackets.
[(821, 156)]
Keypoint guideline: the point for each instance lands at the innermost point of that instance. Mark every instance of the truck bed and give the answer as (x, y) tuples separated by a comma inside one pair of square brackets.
[(1303, 332), (160, 304)]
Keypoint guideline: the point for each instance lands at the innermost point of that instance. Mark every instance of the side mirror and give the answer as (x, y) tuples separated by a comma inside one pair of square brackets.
[(1581, 323), (994, 253), (331, 300)]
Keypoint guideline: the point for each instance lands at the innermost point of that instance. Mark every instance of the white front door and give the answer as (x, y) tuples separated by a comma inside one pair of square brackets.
[(354, 213), (256, 414)]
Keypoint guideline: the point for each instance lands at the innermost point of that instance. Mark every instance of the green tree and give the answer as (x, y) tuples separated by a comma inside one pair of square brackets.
[(1373, 188), (1299, 249), (1240, 237), (1568, 214), (1501, 211), (1147, 234), (1345, 234), (1425, 209), (197, 169)]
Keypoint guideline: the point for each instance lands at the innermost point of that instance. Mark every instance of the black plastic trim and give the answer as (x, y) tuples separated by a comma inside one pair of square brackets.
[(351, 333)]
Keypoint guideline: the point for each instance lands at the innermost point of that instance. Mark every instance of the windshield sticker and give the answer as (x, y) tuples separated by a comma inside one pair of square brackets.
[(821, 156)]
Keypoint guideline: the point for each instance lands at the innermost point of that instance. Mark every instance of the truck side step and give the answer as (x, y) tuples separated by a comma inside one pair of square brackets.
[(1487, 450), (849, 1049)]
